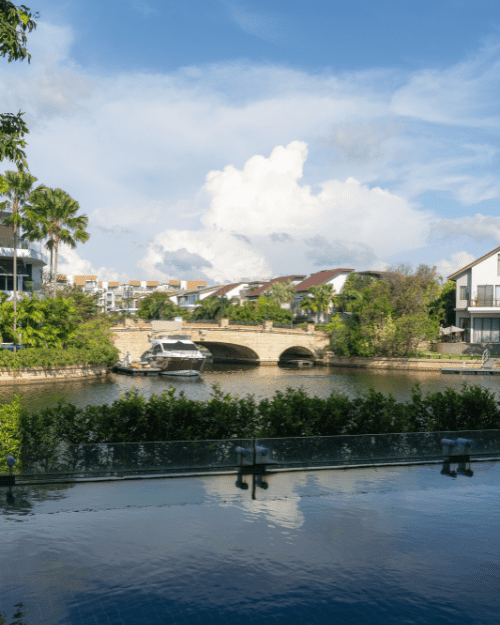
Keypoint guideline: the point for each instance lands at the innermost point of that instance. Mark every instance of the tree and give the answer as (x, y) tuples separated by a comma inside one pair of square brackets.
[(19, 194), (281, 292), (86, 305), (53, 216), (391, 316), (319, 300), (158, 305), (214, 307), (443, 306), (15, 23)]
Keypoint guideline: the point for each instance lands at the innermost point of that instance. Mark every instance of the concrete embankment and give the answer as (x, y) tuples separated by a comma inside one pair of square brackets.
[(53, 374), (402, 364)]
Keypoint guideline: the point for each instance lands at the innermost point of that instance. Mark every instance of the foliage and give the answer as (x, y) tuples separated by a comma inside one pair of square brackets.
[(10, 432), (158, 305), (214, 307), (281, 292), (52, 216), (94, 333), (443, 306), (319, 299), (389, 317), (259, 311), (85, 303), (168, 417), (15, 23)]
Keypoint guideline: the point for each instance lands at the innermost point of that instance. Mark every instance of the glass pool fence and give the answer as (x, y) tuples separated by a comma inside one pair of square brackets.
[(115, 460)]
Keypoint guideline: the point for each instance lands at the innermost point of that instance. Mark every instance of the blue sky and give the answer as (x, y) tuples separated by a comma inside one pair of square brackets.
[(224, 141)]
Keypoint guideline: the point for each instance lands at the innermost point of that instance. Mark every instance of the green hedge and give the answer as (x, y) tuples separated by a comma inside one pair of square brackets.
[(168, 417), (55, 357), (10, 432)]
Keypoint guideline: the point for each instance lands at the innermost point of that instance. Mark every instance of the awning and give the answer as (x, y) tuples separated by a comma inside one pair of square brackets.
[(450, 330)]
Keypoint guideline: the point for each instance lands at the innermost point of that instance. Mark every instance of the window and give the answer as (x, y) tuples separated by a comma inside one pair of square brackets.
[(485, 295), (487, 330), (464, 292)]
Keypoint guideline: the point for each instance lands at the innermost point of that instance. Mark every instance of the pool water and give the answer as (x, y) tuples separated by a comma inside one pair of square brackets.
[(389, 545)]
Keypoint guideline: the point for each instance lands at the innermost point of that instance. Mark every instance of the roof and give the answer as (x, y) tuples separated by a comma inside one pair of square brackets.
[(259, 291), (175, 282), (80, 280), (456, 273), (61, 277), (320, 278), (135, 283), (152, 283), (113, 284), (226, 288)]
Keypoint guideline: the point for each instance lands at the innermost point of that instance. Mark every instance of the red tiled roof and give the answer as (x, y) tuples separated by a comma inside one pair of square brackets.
[(475, 262), (135, 283), (319, 278), (152, 283), (258, 292), (113, 284)]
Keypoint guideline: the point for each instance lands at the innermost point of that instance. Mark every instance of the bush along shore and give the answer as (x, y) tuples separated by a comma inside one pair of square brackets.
[(170, 417)]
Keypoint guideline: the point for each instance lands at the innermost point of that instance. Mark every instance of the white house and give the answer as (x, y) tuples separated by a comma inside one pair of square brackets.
[(478, 299), (336, 278)]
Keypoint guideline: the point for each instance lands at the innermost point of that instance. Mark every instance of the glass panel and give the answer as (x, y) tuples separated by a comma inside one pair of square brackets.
[(486, 330), (117, 459), (495, 330), (497, 295), (478, 327), (489, 294)]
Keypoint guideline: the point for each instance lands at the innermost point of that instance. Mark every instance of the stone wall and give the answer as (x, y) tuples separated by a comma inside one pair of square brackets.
[(468, 348), (403, 364), (43, 374)]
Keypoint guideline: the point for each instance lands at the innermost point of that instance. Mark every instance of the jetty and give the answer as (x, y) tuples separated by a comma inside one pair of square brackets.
[(488, 367)]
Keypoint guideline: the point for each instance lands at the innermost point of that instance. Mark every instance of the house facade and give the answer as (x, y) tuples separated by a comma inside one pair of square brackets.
[(30, 261), (478, 299), (336, 278)]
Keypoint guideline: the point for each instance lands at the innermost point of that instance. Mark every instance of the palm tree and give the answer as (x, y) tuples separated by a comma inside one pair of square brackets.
[(18, 189), (321, 297), (53, 216)]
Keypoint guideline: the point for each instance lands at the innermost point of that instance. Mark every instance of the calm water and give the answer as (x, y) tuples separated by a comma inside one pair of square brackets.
[(243, 380), (388, 546)]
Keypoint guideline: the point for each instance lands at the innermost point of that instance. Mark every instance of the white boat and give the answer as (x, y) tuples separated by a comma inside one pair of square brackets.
[(174, 355)]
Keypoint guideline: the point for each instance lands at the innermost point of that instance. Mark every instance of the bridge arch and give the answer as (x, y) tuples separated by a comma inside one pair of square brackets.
[(230, 351), (296, 352)]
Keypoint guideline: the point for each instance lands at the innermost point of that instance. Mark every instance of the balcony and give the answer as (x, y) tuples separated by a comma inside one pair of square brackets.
[(26, 249), (479, 304)]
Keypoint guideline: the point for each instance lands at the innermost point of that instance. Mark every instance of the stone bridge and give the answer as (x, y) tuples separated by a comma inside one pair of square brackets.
[(255, 345)]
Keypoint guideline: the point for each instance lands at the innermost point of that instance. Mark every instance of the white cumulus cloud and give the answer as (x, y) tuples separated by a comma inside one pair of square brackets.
[(446, 267)]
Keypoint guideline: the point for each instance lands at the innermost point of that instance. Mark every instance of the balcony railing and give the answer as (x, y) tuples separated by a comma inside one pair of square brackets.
[(484, 303)]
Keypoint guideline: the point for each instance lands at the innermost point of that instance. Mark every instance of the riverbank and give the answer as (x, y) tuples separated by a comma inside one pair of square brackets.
[(401, 364), (52, 374)]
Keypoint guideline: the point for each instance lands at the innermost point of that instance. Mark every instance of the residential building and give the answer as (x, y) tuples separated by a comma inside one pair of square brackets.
[(187, 285), (88, 284), (478, 299), (295, 279), (336, 278), (30, 261), (189, 299)]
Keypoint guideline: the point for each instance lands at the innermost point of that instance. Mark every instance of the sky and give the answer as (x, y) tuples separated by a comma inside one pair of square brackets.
[(231, 142)]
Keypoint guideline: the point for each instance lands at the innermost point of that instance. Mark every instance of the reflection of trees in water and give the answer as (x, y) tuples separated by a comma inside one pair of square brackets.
[(24, 498), (17, 615)]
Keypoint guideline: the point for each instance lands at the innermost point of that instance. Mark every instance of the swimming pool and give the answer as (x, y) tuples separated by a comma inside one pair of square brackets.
[(405, 545)]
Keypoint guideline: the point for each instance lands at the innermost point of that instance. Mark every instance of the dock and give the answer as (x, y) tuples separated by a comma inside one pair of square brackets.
[(464, 371), (123, 369)]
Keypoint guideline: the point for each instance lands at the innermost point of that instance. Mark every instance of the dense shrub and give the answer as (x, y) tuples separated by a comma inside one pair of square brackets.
[(168, 417), (10, 432)]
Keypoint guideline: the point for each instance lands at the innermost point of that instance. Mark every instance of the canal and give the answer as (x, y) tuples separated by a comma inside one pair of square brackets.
[(243, 380)]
